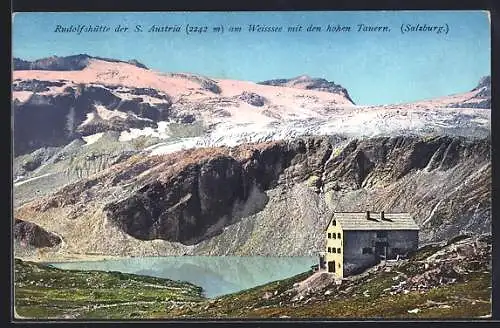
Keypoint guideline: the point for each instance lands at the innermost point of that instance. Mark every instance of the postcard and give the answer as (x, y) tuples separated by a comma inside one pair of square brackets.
[(251, 165)]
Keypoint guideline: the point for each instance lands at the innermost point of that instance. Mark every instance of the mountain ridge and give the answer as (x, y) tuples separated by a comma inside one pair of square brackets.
[(65, 63), (309, 83)]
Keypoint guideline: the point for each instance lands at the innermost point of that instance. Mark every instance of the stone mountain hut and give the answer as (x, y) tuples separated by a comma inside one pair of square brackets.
[(358, 240)]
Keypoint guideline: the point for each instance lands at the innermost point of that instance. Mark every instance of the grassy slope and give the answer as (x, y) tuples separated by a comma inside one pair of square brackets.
[(47, 292), (462, 300)]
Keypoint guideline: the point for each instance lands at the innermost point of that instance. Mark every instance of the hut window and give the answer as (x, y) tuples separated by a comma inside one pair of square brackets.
[(367, 250), (381, 234), (333, 235), (339, 265), (338, 250), (334, 222), (338, 235), (329, 249), (333, 250), (329, 235)]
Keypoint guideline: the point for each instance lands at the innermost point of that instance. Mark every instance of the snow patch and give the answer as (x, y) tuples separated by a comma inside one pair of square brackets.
[(125, 94), (432, 213), (22, 96), (93, 138), (32, 179), (185, 143), (88, 119), (161, 132), (107, 114)]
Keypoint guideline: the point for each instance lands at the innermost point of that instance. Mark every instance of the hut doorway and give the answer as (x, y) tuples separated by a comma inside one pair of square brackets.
[(381, 249), (331, 266)]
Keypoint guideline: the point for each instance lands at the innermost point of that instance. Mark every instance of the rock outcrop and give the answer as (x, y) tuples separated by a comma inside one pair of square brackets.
[(35, 85), (484, 85), (310, 83), (30, 234), (448, 265), (204, 82), (481, 97), (252, 99)]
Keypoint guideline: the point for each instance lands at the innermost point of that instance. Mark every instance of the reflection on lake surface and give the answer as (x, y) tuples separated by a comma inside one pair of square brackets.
[(217, 275)]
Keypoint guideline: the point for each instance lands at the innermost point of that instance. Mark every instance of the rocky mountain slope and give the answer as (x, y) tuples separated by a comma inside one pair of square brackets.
[(222, 201), (118, 159)]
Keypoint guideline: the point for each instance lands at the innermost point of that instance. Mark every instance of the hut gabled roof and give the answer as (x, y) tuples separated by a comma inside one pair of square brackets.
[(373, 221)]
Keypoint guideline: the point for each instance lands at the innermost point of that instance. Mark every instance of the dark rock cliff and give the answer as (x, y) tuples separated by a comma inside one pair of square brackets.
[(380, 161), (204, 198), (51, 120), (393, 174)]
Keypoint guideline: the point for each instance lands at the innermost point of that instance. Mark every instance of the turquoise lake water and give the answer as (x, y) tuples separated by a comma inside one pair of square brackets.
[(217, 275)]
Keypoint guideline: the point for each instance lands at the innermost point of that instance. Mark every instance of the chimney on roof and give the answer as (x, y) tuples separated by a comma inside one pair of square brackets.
[(368, 215), (382, 216)]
